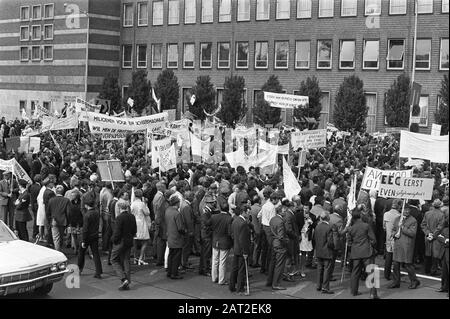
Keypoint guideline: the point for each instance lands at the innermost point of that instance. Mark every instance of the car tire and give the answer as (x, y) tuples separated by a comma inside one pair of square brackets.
[(44, 290)]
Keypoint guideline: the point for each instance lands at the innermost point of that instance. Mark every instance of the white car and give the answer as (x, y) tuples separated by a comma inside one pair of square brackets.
[(26, 267)]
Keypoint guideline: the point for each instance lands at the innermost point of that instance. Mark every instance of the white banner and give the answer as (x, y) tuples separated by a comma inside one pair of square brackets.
[(168, 159), (372, 177), (285, 101), (200, 147), (406, 187), (291, 185), (13, 166), (436, 129), (51, 123), (432, 148), (280, 149), (262, 159), (309, 139)]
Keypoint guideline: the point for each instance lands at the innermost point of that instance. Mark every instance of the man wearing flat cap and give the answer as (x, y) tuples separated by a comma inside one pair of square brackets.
[(176, 230), (433, 249)]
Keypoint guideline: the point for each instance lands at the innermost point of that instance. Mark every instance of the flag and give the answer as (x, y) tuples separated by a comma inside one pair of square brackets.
[(192, 100), (157, 101), (291, 185), (130, 102), (24, 114), (351, 199)]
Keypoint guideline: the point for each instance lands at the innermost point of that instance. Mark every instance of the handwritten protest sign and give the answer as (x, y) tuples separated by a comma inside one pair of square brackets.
[(285, 101), (309, 139), (372, 177), (406, 187)]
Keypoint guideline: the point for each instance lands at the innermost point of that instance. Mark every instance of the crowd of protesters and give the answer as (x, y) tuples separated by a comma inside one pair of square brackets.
[(214, 211)]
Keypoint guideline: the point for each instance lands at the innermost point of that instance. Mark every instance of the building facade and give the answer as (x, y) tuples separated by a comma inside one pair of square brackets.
[(292, 39), (43, 51)]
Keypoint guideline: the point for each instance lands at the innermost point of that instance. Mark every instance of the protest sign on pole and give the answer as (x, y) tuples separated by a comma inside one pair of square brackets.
[(309, 139), (14, 167), (424, 146), (372, 177), (406, 187), (156, 147), (110, 170), (287, 101), (168, 159)]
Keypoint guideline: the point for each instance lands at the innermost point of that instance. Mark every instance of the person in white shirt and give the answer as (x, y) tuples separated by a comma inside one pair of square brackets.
[(268, 210)]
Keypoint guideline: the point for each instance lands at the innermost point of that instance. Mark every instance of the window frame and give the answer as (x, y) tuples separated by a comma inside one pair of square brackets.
[(43, 52), (275, 66), (168, 12), (237, 55), (331, 55), (440, 54), (442, 7), (310, 9), (349, 15), (138, 46), (29, 13), (32, 32), (398, 13), (366, 13), (387, 56), (28, 54), (201, 55), (123, 56), (246, 18), (48, 25), (127, 4), (32, 12), (218, 56), (27, 33), (154, 4), (267, 56), (296, 55), (326, 16), (429, 56), (256, 11), (184, 55), (341, 42), (418, 12), (178, 56), (160, 45), (378, 59), (277, 13), (53, 11), (139, 22), (195, 12), (228, 16), (212, 12), (39, 50)]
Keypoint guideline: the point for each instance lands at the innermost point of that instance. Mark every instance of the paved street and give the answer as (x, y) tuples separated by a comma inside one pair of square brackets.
[(151, 282)]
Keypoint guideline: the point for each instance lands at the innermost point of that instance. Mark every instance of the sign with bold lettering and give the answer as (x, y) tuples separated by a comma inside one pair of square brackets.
[(372, 177), (285, 101), (309, 139), (406, 187)]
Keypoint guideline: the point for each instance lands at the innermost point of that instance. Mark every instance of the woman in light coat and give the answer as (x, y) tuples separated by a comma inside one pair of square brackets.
[(142, 214)]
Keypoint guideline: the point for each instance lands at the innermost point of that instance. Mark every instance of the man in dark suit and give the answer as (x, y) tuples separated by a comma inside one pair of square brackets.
[(362, 240), (293, 235), (122, 239), (159, 207), (91, 222), (221, 245), (57, 210), (240, 233), (280, 243), (5, 194), (257, 229), (34, 190), (176, 230), (188, 216), (323, 237), (22, 213), (48, 194), (206, 235)]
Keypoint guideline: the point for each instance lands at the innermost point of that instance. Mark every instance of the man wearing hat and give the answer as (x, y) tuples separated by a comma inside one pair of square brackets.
[(5, 194), (22, 213), (176, 230), (209, 208), (433, 249), (389, 219), (57, 211)]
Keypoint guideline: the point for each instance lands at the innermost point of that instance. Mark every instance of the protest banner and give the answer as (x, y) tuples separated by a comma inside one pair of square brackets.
[(200, 147), (280, 149), (113, 136), (262, 159), (291, 185), (13, 166), (406, 187), (286, 101), (167, 159), (372, 177), (309, 139), (171, 114), (432, 148), (156, 147), (110, 171), (436, 129)]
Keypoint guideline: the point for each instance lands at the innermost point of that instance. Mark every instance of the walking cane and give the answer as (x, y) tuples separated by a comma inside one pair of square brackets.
[(246, 275)]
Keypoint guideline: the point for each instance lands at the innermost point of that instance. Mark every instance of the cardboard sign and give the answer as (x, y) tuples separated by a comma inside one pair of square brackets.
[(302, 159), (110, 171), (406, 187), (285, 101), (309, 139), (372, 177)]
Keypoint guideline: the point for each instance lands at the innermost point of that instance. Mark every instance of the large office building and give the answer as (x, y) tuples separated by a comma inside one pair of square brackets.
[(292, 39)]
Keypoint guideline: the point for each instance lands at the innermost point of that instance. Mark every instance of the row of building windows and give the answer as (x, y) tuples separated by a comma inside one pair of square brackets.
[(349, 8), (36, 33), (36, 53), (371, 57), (38, 12)]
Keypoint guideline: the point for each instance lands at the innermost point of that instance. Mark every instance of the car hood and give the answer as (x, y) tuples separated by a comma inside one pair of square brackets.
[(19, 255)]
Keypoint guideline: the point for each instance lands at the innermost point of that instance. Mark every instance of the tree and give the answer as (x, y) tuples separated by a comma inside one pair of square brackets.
[(233, 103), (396, 103), (310, 88), (350, 110), (167, 90), (111, 91), (139, 91), (263, 112), (441, 114), (205, 97)]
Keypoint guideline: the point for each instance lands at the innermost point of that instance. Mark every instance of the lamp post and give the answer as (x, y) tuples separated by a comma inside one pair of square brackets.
[(87, 58)]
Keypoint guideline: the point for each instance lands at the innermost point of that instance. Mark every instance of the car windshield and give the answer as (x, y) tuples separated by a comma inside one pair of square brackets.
[(5, 233)]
